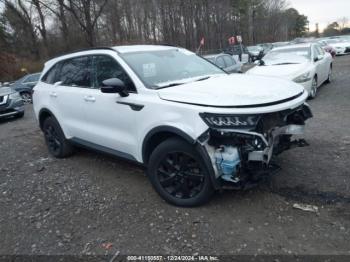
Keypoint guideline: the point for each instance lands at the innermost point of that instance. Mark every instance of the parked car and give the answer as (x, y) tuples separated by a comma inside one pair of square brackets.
[(225, 62), (11, 103), (255, 53), (279, 44), (196, 128), (342, 47), (239, 52), (267, 47), (328, 48), (306, 64), (25, 85)]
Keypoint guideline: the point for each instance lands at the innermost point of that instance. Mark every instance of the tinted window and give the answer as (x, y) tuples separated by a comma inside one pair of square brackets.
[(76, 72), (228, 61), (107, 67), (220, 62), (51, 76)]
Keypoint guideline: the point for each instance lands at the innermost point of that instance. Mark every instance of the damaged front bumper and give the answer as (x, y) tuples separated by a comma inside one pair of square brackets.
[(240, 156)]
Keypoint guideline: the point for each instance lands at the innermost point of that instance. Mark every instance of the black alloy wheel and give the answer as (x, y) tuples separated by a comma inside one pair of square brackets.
[(179, 174)]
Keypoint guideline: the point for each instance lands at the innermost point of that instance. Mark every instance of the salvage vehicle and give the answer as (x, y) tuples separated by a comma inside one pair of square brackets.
[(306, 64), (25, 85), (11, 103), (194, 127), (255, 53), (341, 46), (225, 62)]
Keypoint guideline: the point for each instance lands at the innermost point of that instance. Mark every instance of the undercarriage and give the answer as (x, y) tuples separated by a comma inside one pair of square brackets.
[(242, 157)]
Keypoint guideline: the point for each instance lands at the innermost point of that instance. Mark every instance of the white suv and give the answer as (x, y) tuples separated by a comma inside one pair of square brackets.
[(195, 128)]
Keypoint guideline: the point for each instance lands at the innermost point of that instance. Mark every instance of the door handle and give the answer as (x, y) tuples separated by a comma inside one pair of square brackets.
[(89, 99), (53, 94)]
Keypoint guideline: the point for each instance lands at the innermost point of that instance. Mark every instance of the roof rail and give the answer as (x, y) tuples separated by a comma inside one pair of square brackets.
[(86, 49)]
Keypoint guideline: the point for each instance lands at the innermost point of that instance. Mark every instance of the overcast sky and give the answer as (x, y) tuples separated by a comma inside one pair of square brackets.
[(323, 12)]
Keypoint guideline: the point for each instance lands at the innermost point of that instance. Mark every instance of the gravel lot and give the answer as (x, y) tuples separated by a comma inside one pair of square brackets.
[(95, 204)]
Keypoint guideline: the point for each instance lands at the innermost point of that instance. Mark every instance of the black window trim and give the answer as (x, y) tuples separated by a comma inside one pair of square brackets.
[(129, 91), (60, 63)]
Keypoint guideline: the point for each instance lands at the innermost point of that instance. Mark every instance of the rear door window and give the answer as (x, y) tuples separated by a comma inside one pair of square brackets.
[(76, 72), (51, 76)]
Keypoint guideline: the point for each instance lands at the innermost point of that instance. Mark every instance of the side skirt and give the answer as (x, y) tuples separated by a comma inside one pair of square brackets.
[(108, 151)]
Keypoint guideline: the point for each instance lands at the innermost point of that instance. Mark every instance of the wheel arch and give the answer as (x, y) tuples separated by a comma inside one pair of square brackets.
[(44, 113), (158, 135)]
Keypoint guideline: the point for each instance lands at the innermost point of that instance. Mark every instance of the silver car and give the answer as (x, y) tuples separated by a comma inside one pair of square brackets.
[(226, 62)]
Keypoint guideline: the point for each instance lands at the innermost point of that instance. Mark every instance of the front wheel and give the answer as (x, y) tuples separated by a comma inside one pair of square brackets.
[(27, 98), (313, 92), (179, 174)]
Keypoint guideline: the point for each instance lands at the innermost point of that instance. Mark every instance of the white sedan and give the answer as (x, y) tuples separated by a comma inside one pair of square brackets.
[(306, 64), (341, 46)]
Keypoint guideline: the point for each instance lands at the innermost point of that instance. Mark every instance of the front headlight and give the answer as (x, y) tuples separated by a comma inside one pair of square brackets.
[(230, 121), (14, 96), (303, 78)]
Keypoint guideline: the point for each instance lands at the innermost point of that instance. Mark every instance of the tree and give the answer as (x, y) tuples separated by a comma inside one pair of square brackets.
[(332, 29)]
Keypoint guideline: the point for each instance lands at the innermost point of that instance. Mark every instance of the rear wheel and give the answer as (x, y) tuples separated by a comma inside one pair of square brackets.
[(313, 92), (56, 142), (179, 174)]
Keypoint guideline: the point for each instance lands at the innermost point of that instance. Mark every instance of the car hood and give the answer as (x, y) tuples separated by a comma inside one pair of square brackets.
[(342, 44), (283, 71), (6, 90), (233, 91)]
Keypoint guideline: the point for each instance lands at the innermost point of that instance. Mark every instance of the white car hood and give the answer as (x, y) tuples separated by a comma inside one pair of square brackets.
[(282, 71), (233, 91), (341, 44)]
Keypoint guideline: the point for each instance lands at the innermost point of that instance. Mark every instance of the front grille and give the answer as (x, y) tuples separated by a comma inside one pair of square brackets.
[(1, 99)]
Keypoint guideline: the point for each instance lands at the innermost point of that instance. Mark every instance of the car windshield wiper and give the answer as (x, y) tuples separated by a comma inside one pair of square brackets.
[(287, 63), (168, 85), (203, 78), (178, 84)]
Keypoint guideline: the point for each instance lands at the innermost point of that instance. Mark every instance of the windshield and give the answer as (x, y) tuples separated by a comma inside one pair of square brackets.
[(253, 48), (303, 52), (163, 68), (284, 58)]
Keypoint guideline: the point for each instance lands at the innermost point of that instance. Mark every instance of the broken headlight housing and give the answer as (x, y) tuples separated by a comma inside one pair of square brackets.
[(230, 121)]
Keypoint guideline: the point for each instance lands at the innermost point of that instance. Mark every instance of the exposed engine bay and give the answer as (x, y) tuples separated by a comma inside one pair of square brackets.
[(242, 148)]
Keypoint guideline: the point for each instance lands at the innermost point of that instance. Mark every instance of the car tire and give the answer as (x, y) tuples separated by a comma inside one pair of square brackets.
[(20, 115), (56, 142), (27, 98), (330, 76), (314, 88), (179, 174)]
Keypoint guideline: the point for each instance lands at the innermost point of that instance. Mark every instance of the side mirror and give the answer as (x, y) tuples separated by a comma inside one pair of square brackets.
[(113, 86), (318, 58)]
